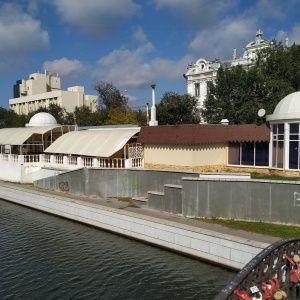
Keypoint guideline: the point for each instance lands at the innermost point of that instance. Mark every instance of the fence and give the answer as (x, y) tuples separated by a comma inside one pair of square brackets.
[(72, 162)]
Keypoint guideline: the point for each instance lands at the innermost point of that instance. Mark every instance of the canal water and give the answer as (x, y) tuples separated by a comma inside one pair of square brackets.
[(46, 257)]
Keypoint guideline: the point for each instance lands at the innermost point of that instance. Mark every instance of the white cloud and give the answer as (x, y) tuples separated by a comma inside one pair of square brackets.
[(220, 41), (20, 34), (132, 70), (140, 36), (126, 68), (294, 37), (65, 67), (96, 17)]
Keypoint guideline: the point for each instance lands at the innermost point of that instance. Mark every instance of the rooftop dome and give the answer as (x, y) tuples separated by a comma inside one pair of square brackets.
[(287, 109), (42, 119)]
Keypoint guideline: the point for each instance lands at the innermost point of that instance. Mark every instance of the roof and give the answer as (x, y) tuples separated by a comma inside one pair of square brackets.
[(42, 119), (17, 136), (287, 109), (195, 134), (97, 143)]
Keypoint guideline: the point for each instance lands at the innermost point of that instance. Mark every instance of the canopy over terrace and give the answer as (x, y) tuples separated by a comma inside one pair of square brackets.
[(96, 143), (32, 139)]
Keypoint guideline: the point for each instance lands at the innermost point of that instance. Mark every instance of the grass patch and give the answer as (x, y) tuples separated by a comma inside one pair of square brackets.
[(257, 175), (129, 201), (276, 230), (125, 199)]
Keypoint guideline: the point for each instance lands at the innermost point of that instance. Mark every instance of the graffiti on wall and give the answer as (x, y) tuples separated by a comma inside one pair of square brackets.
[(296, 199), (64, 186)]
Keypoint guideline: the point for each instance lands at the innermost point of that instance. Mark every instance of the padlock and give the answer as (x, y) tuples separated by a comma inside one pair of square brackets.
[(274, 284), (295, 269), (242, 294), (280, 295), (267, 288)]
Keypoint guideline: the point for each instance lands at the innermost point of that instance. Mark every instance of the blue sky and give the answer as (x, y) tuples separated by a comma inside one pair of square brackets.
[(131, 43)]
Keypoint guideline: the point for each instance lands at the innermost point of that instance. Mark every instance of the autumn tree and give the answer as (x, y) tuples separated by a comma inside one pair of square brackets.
[(177, 109), (121, 115)]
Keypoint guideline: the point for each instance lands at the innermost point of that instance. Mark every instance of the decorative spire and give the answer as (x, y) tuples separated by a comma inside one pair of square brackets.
[(259, 34)]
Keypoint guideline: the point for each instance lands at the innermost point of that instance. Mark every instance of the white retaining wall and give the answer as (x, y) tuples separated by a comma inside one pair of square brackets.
[(218, 248)]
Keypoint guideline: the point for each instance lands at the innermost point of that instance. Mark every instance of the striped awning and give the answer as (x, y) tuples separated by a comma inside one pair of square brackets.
[(17, 136), (97, 143)]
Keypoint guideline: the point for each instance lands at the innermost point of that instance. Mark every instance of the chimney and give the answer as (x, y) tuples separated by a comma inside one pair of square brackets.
[(153, 121)]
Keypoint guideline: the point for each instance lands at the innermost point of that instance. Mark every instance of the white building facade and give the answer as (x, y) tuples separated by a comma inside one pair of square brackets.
[(204, 71), (40, 90)]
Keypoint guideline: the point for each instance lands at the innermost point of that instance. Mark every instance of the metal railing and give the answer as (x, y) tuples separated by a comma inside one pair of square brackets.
[(273, 274)]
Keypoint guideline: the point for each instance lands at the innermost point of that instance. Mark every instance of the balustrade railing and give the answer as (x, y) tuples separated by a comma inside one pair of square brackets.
[(46, 158), (14, 157), (31, 158), (74, 161), (137, 162), (58, 159), (111, 163), (87, 162), (5, 157), (272, 274)]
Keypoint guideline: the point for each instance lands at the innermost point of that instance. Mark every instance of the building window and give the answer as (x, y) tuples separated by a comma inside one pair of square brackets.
[(197, 89), (248, 154), (294, 147), (278, 142)]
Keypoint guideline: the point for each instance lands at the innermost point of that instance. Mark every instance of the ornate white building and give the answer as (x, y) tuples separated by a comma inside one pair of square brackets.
[(204, 71), (40, 90)]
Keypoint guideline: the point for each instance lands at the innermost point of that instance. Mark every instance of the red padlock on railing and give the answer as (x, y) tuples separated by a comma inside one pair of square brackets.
[(295, 269), (242, 294)]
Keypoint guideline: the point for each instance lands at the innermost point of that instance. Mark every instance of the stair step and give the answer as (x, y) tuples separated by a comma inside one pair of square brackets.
[(176, 186), (142, 199)]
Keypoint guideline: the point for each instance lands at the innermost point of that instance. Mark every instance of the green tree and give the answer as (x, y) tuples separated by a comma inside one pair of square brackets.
[(109, 95), (177, 109), (239, 93), (8, 119), (84, 116), (236, 95), (141, 117), (58, 112)]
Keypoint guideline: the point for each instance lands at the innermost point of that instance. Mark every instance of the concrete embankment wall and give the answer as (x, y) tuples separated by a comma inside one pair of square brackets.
[(13, 172), (218, 248), (188, 193), (259, 200), (113, 182)]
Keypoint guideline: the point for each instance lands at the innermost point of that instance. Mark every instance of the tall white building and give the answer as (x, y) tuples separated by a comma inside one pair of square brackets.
[(204, 71), (40, 90)]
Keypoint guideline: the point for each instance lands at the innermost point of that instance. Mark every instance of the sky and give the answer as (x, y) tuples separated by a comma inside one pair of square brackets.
[(131, 43)]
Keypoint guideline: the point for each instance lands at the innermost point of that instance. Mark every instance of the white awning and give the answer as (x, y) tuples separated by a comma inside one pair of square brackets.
[(17, 136), (97, 143)]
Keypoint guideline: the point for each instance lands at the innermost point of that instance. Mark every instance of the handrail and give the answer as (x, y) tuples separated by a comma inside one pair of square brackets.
[(74, 161), (267, 273)]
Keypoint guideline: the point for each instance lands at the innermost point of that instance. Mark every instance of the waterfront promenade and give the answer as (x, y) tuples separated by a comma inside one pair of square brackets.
[(214, 243)]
